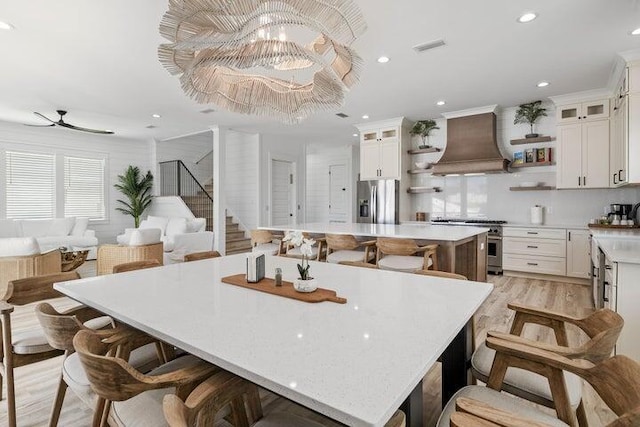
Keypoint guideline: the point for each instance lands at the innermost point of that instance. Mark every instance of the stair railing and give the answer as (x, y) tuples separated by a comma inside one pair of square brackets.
[(177, 180)]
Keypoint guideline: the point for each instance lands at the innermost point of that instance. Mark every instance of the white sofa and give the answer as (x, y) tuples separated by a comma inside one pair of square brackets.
[(53, 233), (180, 236)]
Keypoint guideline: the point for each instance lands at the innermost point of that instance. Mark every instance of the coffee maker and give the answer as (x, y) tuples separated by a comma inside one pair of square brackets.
[(620, 211)]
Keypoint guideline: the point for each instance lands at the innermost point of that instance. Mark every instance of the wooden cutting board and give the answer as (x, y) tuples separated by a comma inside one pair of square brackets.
[(611, 226), (286, 290)]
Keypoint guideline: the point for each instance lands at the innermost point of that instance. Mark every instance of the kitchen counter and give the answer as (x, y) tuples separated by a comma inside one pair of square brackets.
[(621, 250), (529, 225), (602, 233), (405, 231), (462, 249)]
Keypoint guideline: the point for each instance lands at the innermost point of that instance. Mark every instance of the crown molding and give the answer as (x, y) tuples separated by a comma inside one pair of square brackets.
[(471, 111)]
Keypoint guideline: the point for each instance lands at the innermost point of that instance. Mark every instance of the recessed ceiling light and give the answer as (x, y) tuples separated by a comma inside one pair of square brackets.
[(6, 26), (365, 117), (156, 116), (636, 32), (527, 17), (440, 103), (543, 84), (383, 59), (355, 134)]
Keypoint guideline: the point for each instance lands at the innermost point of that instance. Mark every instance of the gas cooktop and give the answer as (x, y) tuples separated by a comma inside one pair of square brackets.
[(466, 221)]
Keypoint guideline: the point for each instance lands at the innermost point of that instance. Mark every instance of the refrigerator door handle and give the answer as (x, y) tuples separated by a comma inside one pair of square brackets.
[(374, 204)]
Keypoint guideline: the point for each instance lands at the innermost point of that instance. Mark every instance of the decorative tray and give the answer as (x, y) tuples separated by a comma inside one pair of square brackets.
[(619, 227), (268, 285)]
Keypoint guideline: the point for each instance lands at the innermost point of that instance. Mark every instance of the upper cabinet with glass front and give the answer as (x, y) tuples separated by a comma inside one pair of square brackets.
[(585, 111), (383, 148)]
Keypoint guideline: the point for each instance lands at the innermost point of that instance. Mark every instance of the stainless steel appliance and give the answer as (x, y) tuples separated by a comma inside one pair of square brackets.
[(494, 239), (622, 210), (379, 201)]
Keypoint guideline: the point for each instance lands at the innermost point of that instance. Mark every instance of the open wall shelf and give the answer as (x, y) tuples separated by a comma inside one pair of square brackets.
[(531, 165), (532, 140), (424, 150), (418, 190), (536, 188), (419, 171)]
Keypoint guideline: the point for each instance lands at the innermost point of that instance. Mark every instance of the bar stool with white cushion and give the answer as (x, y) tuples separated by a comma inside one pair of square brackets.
[(265, 242), (399, 255), (345, 247)]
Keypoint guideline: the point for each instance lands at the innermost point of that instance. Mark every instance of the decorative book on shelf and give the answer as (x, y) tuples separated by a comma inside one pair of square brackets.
[(531, 156)]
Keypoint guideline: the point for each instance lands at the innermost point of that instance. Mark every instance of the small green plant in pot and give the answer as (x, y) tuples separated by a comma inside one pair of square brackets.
[(137, 189), (529, 114), (424, 128)]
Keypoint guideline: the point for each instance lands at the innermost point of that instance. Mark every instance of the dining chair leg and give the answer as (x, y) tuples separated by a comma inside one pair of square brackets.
[(8, 369), (105, 414), (97, 413), (57, 402), (582, 415)]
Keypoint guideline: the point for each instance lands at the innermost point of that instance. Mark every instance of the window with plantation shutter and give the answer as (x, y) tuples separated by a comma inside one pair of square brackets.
[(30, 182), (84, 187)]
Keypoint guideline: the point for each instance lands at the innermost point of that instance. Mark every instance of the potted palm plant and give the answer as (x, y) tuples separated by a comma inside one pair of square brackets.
[(424, 128), (137, 190), (528, 114)]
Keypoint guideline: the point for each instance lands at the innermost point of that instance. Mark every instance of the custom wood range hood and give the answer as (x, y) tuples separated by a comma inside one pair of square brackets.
[(472, 146)]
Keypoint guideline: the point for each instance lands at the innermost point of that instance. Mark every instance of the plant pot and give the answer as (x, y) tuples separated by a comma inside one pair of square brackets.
[(308, 285), (531, 135)]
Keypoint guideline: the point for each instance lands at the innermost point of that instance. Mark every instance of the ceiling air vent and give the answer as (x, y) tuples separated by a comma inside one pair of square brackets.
[(208, 111), (151, 127), (342, 115), (428, 45)]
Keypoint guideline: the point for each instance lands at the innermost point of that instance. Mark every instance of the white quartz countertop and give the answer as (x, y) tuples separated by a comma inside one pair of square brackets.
[(620, 249), (602, 233), (408, 231), (561, 226), (354, 362)]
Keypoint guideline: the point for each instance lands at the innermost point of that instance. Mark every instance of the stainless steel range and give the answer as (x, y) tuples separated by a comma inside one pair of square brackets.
[(494, 238)]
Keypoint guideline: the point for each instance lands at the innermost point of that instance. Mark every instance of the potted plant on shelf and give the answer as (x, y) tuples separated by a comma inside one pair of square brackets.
[(424, 128), (529, 114), (137, 190), (305, 283)]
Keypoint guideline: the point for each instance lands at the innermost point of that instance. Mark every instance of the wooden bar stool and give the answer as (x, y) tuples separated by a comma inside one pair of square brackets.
[(197, 256), (400, 255), (264, 241), (345, 247)]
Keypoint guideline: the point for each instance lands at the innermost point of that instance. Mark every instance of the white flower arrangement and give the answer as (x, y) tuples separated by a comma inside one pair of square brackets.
[(297, 239)]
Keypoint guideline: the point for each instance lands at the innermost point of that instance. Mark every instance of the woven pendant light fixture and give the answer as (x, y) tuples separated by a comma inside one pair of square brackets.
[(283, 59)]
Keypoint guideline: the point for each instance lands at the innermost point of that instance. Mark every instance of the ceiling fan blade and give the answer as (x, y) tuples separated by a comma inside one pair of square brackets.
[(44, 117), (41, 126), (68, 126)]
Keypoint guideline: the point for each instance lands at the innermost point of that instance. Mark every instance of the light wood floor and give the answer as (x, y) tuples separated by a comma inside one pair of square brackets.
[(35, 384)]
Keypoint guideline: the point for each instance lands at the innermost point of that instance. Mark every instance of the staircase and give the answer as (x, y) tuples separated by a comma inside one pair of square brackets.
[(237, 242), (177, 180)]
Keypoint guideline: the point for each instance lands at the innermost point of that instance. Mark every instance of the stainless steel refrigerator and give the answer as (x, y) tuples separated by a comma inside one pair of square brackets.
[(379, 201)]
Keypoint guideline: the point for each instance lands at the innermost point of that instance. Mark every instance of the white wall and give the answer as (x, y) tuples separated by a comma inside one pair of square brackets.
[(190, 149), (281, 147), (488, 196), (120, 153), (319, 158), (242, 176)]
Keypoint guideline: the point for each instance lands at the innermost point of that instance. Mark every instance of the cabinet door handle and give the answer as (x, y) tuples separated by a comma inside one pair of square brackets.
[(584, 180), (607, 267), (532, 232), (604, 291), (569, 236), (615, 178), (532, 263), (532, 247), (578, 181), (620, 175)]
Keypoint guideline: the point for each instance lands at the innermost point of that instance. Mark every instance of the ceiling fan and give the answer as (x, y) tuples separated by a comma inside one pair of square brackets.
[(64, 124)]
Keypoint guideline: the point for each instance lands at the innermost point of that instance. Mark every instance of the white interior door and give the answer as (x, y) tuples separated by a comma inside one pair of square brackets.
[(338, 193), (283, 201)]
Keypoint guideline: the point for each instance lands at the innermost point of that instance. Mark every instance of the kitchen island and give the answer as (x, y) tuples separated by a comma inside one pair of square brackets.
[(461, 250)]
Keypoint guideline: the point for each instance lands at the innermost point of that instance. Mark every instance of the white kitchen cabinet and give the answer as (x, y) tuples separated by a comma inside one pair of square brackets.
[(619, 142), (534, 250), (381, 149), (578, 257), (584, 111), (583, 155)]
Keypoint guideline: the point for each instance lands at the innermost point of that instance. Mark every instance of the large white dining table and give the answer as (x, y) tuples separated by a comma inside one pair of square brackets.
[(356, 363)]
